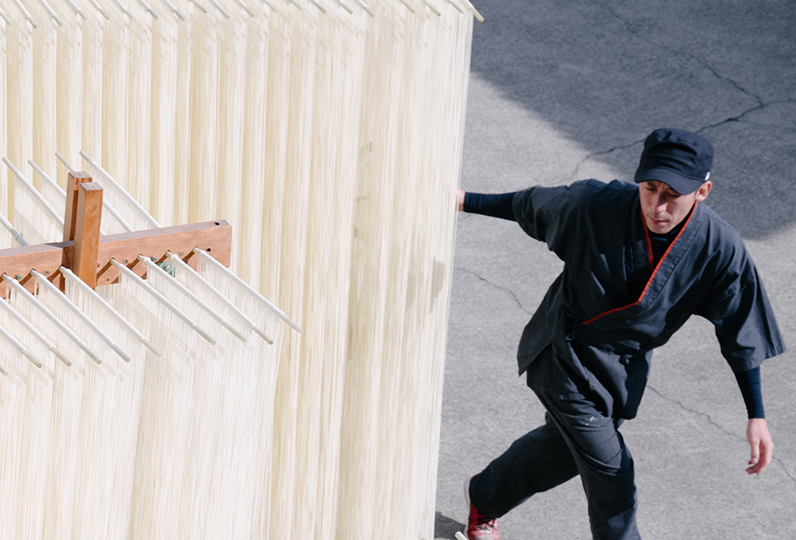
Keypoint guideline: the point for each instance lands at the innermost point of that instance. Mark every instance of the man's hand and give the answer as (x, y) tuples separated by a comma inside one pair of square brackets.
[(761, 444), (461, 199)]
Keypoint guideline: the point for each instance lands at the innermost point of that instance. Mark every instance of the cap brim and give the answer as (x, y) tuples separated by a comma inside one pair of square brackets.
[(681, 184)]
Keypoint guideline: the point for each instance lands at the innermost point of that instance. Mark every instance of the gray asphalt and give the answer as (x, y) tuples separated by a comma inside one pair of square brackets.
[(562, 91)]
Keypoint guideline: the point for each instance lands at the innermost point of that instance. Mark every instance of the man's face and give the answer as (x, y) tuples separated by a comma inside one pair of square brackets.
[(664, 208)]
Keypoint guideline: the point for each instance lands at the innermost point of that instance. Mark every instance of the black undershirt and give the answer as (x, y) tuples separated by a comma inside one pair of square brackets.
[(500, 206), (661, 242)]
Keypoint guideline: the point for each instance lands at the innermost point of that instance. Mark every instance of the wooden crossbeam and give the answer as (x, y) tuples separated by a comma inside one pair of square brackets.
[(88, 254), (214, 237)]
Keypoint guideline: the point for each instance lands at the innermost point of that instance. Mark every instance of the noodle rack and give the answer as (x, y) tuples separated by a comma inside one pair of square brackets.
[(88, 254)]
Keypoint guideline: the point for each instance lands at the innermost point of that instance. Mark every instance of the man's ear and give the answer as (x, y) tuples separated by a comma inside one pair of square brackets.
[(703, 190)]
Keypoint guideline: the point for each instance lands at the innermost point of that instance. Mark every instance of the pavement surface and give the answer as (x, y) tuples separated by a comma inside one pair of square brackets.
[(562, 91)]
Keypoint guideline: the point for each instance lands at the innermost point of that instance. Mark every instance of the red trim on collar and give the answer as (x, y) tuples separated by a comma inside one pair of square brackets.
[(654, 271)]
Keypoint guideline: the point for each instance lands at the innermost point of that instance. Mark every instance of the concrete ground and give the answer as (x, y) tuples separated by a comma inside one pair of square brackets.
[(562, 91)]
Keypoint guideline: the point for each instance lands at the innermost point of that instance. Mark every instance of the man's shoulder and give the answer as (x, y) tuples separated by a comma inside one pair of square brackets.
[(721, 238), (590, 189), (578, 201), (598, 186), (595, 193), (718, 228)]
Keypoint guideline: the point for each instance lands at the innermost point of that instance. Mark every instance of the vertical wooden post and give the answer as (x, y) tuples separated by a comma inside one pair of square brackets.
[(87, 232), (70, 214)]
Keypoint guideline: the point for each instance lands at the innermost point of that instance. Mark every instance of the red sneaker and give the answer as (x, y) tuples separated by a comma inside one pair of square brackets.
[(479, 526)]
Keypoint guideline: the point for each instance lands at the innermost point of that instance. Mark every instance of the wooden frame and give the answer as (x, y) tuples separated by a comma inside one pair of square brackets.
[(88, 254)]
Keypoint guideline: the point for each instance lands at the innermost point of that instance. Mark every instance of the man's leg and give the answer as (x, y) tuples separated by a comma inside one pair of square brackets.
[(595, 444), (605, 467), (535, 462)]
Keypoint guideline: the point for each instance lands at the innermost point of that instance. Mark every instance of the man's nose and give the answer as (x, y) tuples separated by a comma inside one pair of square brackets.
[(660, 204)]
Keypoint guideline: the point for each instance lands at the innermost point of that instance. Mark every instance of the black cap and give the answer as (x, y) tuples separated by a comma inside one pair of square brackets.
[(677, 157)]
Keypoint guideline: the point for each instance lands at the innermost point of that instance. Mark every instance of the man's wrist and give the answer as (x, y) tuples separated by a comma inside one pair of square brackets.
[(749, 384)]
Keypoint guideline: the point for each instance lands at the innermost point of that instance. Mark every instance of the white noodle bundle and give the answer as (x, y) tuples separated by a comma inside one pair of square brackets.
[(330, 233), (163, 134), (253, 203), (369, 285), (231, 104), (34, 216), (115, 74), (19, 97), (276, 125), (204, 99), (4, 200), (111, 412), (125, 213), (107, 436), (91, 108), (267, 328), (52, 193), (292, 269), (136, 178), (183, 128), (60, 469), (417, 299), (44, 85), (70, 90), (25, 409), (12, 409), (228, 382), (204, 503), (165, 408)]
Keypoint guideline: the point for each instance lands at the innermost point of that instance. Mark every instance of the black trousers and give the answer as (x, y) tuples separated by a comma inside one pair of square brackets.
[(576, 439)]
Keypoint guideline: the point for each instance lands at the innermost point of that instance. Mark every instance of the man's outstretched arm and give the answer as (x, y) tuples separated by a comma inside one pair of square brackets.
[(494, 205)]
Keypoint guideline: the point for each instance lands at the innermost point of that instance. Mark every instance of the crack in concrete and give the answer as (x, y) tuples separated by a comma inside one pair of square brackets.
[(576, 174), (739, 118), (718, 426), (699, 59), (504, 289)]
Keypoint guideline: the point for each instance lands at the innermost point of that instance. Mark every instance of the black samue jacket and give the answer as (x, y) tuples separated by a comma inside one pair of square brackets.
[(610, 308)]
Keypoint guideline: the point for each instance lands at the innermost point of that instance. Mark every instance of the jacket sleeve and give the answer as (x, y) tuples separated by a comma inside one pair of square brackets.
[(558, 216), (739, 308), (498, 206)]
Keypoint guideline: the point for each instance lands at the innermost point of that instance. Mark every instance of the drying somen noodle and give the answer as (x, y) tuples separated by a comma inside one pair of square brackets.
[(328, 134)]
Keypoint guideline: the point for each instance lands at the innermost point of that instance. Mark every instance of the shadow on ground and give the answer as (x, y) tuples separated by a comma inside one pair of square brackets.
[(606, 73), (445, 527)]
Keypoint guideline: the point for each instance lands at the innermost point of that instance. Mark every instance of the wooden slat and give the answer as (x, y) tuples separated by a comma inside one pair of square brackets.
[(70, 213), (214, 237), (87, 232)]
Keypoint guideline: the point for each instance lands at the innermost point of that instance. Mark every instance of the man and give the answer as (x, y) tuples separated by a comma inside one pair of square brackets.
[(639, 261)]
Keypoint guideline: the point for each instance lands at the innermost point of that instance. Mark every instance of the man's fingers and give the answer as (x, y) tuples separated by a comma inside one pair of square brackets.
[(755, 457), (754, 461), (757, 468), (764, 460), (760, 458)]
